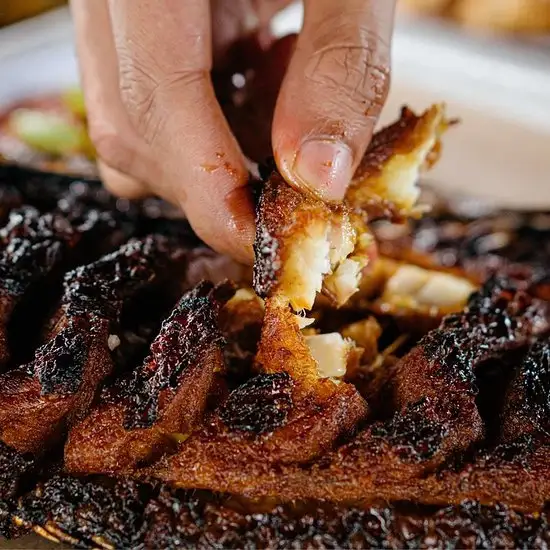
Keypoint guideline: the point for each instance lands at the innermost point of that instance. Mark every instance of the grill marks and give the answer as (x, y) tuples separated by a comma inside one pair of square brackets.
[(273, 429), (126, 514), (260, 405), (39, 400), (164, 399), (33, 246), (438, 418), (284, 415)]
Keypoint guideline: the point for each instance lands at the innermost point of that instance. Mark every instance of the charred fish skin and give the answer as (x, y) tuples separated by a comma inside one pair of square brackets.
[(465, 236), (503, 309), (14, 466), (32, 247), (283, 215), (124, 513), (31, 185), (189, 334), (43, 397), (527, 408), (284, 431), (435, 394), (163, 399)]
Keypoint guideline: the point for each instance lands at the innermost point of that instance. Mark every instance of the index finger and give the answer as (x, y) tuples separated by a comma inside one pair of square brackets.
[(165, 58)]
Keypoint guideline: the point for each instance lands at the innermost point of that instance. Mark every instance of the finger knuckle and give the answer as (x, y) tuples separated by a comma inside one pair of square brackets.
[(113, 146), (121, 185), (146, 97), (351, 67)]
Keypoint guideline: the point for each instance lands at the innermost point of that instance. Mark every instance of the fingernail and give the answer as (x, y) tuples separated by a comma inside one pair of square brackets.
[(325, 166)]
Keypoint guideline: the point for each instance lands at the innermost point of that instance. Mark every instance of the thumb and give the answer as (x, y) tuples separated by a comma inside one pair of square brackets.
[(333, 93)]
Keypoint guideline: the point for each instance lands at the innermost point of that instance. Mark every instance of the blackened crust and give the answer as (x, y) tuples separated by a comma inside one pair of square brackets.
[(100, 288), (137, 420), (281, 216), (260, 405), (127, 514), (32, 245), (185, 337), (39, 400), (267, 253)]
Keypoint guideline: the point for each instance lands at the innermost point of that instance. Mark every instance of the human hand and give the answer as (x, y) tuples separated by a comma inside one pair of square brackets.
[(157, 123)]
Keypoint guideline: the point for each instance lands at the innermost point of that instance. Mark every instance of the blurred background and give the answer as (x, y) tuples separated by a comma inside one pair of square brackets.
[(12, 11), (525, 17), (489, 60)]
